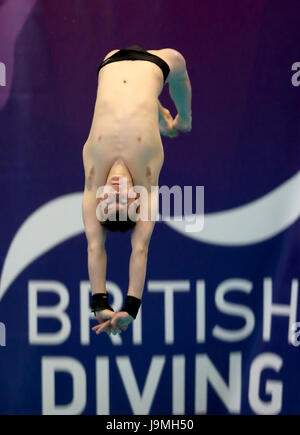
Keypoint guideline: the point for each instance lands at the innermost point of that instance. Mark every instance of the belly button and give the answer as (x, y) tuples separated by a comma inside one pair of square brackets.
[(148, 172), (124, 81), (99, 137), (139, 138)]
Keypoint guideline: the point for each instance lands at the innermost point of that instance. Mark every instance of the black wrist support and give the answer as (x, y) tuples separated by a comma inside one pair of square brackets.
[(131, 306), (100, 302)]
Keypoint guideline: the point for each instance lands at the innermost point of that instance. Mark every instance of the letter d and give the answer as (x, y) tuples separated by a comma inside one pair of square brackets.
[(51, 365)]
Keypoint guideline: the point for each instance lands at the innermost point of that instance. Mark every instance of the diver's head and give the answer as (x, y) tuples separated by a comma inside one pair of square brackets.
[(115, 198)]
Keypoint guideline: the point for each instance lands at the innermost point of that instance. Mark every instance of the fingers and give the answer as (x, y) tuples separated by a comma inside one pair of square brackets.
[(107, 330), (169, 129), (116, 331), (107, 327), (119, 320), (115, 325), (172, 133), (105, 323), (99, 328)]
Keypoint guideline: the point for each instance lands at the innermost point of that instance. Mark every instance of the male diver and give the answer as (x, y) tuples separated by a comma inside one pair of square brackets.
[(124, 150)]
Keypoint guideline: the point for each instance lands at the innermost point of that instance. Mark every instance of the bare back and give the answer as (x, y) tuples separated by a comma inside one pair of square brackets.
[(125, 123)]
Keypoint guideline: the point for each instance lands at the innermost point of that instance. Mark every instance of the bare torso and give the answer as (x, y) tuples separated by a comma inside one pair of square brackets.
[(125, 123)]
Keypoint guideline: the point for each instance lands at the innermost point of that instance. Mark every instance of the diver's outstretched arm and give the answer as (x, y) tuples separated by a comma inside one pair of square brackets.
[(140, 240), (95, 235)]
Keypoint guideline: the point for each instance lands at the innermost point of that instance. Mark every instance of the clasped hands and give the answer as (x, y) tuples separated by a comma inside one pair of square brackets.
[(111, 322)]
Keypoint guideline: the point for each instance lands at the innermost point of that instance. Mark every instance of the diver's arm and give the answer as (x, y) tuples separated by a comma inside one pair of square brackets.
[(139, 257), (180, 90), (95, 235), (181, 93), (140, 240)]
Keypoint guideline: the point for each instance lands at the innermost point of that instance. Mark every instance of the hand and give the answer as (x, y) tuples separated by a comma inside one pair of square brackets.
[(184, 125), (121, 320), (104, 318), (111, 322), (166, 123)]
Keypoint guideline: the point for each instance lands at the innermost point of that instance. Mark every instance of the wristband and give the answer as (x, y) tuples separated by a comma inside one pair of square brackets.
[(100, 302), (131, 306)]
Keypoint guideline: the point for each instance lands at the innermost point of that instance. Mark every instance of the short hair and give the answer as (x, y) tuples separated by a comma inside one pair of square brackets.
[(117, 225)]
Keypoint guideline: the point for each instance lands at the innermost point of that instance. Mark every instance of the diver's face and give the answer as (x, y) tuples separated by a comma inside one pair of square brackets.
[(120, 183), (117, 196)]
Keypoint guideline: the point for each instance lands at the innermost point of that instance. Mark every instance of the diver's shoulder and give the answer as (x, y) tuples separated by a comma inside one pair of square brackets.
[(175, 60), (173, 55)]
